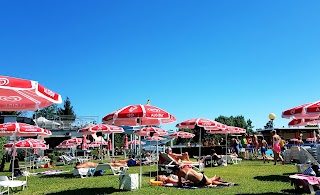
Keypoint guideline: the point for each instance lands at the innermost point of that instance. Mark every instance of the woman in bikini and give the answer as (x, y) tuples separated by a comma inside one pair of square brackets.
[(186, 174), (178, 157), (276, 147)]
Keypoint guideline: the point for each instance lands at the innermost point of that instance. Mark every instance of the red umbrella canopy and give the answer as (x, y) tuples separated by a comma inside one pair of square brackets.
[(147, 115), (302, 111), (313, 109), (135, 142), (147, 131), (154, 138), (103, 128), (201, 122), (181, 134), (65, 144), (76, 140), (303, 122), (28, 143), (22, 129), (19, 94), (100, 142)]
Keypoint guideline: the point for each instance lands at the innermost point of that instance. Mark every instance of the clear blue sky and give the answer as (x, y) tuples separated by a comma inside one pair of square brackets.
[(191, 58)]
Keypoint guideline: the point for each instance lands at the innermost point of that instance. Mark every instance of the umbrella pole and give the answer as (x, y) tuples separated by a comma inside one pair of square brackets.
[(157, 154), (112, 144), (13, 154), (226, 149), (199, 146), (140, 153)]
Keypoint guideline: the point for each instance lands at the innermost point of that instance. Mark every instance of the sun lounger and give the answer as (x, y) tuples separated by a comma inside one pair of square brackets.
[(232, 159), (83, 172), (116, 170), (304, 180), (169, 163), (6, 184), (67, 160)]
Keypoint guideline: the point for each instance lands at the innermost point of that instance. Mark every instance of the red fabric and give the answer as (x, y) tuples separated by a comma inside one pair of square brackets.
[(19, 94), (147, 115), (104, 128)]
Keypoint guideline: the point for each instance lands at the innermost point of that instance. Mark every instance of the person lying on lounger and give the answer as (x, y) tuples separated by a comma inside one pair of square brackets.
[(48, 165), (94, 165), (187, 174), (177, 157)]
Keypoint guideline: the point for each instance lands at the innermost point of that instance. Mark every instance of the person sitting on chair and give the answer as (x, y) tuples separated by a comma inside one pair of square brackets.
[(177, 157)]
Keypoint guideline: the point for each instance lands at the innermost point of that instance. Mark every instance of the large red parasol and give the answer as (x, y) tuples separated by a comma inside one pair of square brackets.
[(19, 94), (22, 130), (181, 134), (28, 143), (137, 115), (303, 111), (147, 131), (103, 128), (207, 124), (146, 115)]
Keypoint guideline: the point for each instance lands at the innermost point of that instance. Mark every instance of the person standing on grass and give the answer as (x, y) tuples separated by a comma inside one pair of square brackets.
[(264, 147), (276, 148)]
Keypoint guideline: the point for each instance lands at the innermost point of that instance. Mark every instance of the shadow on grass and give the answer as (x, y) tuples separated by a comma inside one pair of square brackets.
[(85, 191), (287, 174), (289, 191), (282, 178), (154, 173), (61, 175)]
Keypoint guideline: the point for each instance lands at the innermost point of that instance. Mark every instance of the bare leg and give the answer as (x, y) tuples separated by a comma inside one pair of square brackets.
[(185, 156), (275, 157)]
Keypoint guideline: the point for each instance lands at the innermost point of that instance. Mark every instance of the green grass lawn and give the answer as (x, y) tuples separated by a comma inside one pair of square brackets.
[(254, 177)]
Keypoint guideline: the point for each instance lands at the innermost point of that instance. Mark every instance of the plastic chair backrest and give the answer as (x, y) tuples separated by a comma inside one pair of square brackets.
[(4, 178)]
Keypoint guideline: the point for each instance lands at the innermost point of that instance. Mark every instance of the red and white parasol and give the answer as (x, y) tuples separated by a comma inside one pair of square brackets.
[(147, 131), (146, 115), (181, 134), (138, 115), (201, 122), (303, 122), (22, 130), (66, 145), (19, 94), (103, 128), (154, 138), (135, 142), (76, 140), (28, 143), (303, 111)]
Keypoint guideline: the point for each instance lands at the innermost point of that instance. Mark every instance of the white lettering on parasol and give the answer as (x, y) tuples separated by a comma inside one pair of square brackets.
[(130, 115), (158, 115), (154, 110), (132, 108), (20, 106), (292, 112), (4, 81), (10, 98), (48, 92)]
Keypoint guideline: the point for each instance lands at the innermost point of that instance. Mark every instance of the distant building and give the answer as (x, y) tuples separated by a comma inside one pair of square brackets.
[(289, 132)]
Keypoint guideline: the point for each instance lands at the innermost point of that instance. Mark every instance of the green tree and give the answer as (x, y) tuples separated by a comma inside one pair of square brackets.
[(67, 110), (249, 126), (49, 112)]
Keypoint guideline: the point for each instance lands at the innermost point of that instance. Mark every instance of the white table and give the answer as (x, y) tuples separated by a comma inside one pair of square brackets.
[(12, 184)]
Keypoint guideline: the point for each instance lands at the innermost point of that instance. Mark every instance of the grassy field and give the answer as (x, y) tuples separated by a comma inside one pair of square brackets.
[(253, 177)]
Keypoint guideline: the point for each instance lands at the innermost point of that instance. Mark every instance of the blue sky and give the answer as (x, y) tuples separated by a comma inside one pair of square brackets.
[(191, 58)]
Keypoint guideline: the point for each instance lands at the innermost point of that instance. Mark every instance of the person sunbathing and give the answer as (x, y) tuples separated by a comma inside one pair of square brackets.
[(94, 165), (198, 179), (177, 157), (48, 165)]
